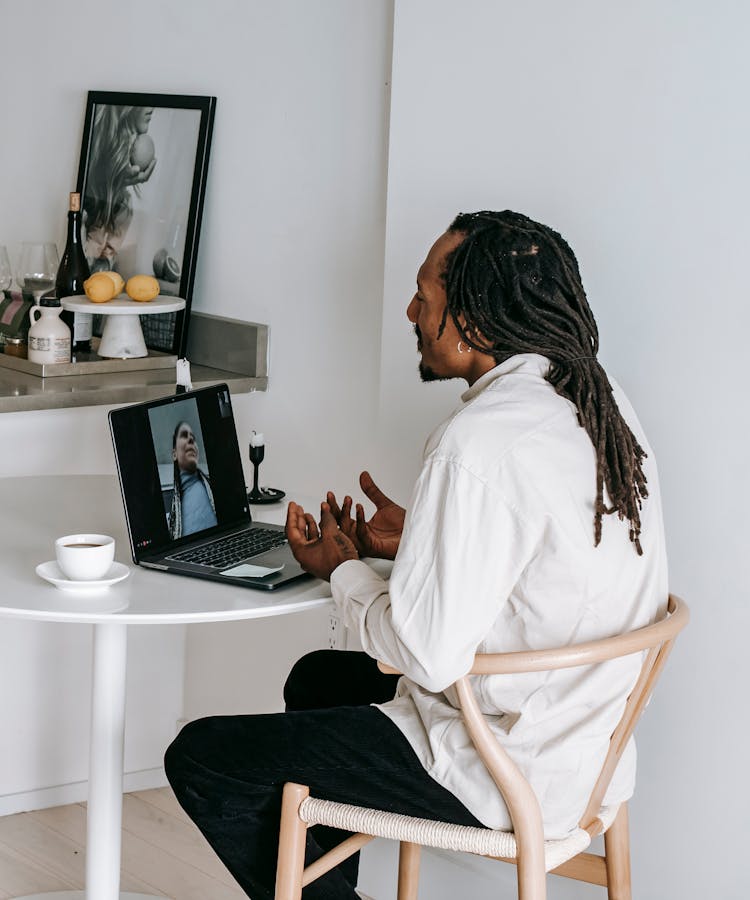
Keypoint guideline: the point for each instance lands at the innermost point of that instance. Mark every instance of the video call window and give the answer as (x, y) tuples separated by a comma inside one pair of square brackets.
[(184, 476)]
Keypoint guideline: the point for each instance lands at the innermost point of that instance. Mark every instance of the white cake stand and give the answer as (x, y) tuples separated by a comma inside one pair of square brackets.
[(122, 336)]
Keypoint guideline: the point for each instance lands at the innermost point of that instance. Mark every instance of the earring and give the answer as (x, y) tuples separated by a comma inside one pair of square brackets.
[(460, 346)]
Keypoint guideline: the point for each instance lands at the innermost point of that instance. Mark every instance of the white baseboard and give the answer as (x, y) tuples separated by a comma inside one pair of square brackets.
[(76, 792)]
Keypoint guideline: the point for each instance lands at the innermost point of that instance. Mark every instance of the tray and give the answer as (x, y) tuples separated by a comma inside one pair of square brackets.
[(90, 364)]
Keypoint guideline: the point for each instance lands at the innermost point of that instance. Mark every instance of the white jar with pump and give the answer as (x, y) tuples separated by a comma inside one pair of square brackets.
[(49, 337)]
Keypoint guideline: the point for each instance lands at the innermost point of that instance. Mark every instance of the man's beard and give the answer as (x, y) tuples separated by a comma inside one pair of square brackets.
[(425, 372), (428, 374)]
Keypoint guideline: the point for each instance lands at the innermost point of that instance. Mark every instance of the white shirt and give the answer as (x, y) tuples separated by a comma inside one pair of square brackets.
[(498, 554)]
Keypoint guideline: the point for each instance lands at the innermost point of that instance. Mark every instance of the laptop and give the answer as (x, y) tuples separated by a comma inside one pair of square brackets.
[(183, 488)]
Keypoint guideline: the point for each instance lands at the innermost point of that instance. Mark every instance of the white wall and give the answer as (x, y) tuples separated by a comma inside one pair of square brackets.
[(623, 127), (292, 236), (298, 188)]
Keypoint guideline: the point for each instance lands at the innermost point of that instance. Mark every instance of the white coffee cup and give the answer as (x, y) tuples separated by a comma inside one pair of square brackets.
[(85, 557)]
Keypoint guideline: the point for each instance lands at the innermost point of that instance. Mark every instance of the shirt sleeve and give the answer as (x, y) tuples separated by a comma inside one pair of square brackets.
[(462, 551)]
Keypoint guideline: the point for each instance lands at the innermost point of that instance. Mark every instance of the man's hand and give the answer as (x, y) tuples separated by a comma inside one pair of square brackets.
[(382, 534), (318, 550)]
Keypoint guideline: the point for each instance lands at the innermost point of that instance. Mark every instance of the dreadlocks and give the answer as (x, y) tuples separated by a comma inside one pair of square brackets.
[(517, 287)]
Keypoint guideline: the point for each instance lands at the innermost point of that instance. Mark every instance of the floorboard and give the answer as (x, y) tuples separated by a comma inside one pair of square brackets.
[(162, 851)]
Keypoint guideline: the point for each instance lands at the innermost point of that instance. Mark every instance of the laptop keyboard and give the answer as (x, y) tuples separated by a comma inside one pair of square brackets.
[(232, 550)]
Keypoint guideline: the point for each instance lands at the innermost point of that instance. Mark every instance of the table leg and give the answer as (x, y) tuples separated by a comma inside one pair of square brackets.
[(104, 818)]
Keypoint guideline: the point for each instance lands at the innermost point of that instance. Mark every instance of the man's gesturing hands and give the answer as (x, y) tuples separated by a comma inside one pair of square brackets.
[(380, 536), (318, 550)]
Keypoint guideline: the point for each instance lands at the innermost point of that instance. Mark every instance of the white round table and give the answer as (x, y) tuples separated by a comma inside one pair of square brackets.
[(122, 335), (34, 512)]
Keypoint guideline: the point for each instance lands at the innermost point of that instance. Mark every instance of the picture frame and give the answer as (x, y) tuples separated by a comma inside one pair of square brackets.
[(142, 180)]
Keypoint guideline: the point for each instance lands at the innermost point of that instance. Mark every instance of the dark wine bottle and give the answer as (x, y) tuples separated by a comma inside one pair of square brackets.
[(71, 273)]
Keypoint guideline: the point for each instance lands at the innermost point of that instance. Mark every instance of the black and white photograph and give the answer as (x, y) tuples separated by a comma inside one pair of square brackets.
[(142, 180)]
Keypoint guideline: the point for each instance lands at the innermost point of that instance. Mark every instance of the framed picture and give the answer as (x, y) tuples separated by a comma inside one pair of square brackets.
[(142, 180)]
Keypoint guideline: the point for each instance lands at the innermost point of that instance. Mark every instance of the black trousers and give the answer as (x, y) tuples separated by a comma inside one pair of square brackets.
[(228, 772)]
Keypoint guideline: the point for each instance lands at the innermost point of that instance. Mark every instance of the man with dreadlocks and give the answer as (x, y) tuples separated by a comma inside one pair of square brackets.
[(530, 526)]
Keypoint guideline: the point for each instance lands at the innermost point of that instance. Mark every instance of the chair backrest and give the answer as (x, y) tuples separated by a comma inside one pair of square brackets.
[(657, 639)]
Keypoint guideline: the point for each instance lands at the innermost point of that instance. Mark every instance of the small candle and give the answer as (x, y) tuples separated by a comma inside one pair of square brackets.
[(256, 439)]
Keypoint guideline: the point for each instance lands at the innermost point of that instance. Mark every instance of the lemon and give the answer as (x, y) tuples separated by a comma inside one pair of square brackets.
[(117, 280), (142, 288), (100, 288)]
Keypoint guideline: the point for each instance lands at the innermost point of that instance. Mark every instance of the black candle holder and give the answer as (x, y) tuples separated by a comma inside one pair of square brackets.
[(259, 494)]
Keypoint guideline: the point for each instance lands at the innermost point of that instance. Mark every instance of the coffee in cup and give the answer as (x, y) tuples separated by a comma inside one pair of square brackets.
[(85, 557)]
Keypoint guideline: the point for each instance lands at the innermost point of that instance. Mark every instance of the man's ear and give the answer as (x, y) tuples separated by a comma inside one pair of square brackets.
[(174, 455), (461, 319), (474, 333)]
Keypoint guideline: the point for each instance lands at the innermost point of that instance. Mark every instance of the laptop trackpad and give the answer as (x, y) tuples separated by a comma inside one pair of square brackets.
[(246, 570)]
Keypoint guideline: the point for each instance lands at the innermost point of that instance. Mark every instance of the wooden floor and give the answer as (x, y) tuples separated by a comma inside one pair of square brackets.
[(162, 852)]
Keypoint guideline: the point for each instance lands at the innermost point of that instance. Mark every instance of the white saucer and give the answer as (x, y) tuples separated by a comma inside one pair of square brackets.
[(50, 571)]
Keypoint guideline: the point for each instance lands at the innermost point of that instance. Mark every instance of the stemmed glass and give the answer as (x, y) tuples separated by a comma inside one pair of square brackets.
[(6, 275), (257, 453), (37, 268)]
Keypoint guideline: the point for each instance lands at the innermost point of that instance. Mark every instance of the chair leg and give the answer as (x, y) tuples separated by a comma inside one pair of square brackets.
[(617, 856), (532, 878), (291, 859), (408, 871)]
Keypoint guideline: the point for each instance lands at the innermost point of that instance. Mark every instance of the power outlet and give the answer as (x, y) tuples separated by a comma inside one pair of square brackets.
[(336, 633)]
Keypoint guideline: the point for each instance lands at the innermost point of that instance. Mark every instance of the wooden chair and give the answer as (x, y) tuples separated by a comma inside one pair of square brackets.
[(525, 846)]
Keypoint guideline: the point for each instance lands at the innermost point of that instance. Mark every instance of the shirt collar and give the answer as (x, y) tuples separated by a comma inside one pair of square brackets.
[(526, 363)]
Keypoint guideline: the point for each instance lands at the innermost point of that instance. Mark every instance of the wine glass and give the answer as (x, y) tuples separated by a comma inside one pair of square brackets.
[(37, 268), (6, 275)]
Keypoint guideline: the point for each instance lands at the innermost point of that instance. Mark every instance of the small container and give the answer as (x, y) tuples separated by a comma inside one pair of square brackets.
[(15, 346), (49, 338)]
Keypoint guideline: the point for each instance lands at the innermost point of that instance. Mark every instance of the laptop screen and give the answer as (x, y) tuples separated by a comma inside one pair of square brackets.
[(180, 468)]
